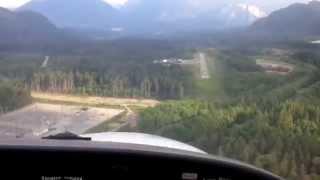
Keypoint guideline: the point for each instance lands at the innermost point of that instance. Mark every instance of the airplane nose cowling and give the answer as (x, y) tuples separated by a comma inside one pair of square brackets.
[(142, 139)]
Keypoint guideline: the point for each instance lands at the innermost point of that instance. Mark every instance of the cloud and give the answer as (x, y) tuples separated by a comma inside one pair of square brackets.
[(12, 3), (117, 2)]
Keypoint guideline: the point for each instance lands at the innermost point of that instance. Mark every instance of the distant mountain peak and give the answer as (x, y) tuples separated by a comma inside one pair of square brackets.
[(74, 13), (145, 15), (236, 15)]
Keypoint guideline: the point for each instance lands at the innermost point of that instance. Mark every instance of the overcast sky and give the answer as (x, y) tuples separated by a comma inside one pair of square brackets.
[(17, 3), (267, 5)]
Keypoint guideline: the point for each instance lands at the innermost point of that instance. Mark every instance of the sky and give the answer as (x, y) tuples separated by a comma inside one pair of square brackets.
[(268, 5), (17, 3)]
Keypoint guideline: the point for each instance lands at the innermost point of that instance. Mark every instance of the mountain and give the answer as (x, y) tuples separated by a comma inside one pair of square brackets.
[(25, 26), (180, 15), (86, 14), (236, 15), (144, 17), (298, 21)]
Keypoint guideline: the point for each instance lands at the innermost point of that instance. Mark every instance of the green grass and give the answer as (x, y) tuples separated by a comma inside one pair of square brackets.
[(209, 88), (206, 88)]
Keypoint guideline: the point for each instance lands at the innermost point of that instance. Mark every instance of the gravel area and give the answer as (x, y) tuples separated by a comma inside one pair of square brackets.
[(41, 119)]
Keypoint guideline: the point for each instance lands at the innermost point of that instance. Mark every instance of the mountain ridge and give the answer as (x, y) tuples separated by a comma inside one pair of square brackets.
[(74, 13), (24, 26), (297, 21), (152, 17)]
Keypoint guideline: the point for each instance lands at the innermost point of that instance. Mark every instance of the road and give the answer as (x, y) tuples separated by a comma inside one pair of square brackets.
[(45, 62), (204, 72)]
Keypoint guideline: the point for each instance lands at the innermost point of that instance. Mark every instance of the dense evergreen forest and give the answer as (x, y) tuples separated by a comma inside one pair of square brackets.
[(148, 81), (241, 112), (244, 112), (117, 69), (282, 138), (269, 120), (13, 95)]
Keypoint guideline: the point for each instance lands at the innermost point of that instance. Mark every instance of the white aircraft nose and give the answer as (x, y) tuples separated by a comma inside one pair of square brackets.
[(142, 139)]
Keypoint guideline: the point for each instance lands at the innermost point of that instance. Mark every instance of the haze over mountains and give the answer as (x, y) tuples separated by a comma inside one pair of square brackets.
[(297, 21), (178, 15), (145, 16)]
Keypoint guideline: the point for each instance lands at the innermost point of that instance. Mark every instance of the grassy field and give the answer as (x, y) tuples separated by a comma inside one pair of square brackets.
[(212, 88), (93, 101), (71, 103)]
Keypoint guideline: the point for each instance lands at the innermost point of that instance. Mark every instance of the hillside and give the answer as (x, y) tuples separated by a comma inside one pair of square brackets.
[(25, 26), (251, 114), (298, 21), (153, 17), (176, 16), (74, 13)]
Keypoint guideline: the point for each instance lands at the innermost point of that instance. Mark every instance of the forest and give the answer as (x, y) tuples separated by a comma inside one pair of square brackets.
[(147, 81), (13, 95), (283, 138), (241, 112), (119, 69), (268, 120)]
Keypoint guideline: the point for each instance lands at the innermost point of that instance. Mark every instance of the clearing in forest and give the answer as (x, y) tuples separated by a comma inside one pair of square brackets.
[(275, 67), (56, 113), (93, 100), (203, 67), (42, 119), (208, 83)]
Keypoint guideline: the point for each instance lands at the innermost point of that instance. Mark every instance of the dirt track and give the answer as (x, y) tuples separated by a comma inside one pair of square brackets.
[(43, 119)]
